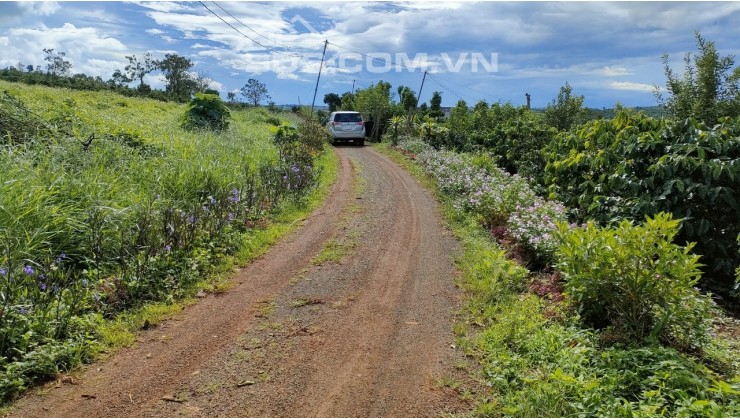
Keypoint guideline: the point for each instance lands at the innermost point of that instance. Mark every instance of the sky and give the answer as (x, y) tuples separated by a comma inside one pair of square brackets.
[(609, 52)]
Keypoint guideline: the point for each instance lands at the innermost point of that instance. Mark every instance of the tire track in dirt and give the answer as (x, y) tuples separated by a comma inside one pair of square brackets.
[(367, 336)]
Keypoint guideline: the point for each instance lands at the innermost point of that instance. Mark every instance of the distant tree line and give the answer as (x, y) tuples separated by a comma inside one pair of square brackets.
[(181, 82)]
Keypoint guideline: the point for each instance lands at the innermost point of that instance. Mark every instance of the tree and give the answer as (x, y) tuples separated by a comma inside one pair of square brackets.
[(57, 64), (406, 98), (435, 106), (333, 100), (375, 105), (119, 78), (348, 101), (231, 96), (202, 81), (423, 110), (566, 111), (179, 83), (708, 89), (137, 69), (459, 120), (255, 91)]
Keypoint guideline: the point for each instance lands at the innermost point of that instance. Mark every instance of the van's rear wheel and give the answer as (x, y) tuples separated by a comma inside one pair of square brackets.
[(361, 142)]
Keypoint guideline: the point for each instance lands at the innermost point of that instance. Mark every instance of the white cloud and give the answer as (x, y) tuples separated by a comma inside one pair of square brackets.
[(610, 71), (631, 86), (154, 31), (40, 8), (89, 52)]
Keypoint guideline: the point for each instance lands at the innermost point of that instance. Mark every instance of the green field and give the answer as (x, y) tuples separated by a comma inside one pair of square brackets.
[(108, 206)]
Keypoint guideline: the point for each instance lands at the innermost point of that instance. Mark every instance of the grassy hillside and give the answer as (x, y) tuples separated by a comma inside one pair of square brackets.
[(107, 205)]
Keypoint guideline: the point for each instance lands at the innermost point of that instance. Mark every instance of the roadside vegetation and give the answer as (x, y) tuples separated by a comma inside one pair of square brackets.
[(600, 255), (114, 211)]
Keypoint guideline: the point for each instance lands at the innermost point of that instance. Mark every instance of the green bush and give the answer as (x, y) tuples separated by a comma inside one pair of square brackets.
[(634, 166), (206, 111), (635, 281)]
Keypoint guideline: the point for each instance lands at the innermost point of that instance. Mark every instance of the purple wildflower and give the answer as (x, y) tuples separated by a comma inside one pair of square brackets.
[(296, 169), (167, 248), (28, 270), (3, 271), (42, 286), (234, 195), (231, 217), (60, 257), (23, 311)]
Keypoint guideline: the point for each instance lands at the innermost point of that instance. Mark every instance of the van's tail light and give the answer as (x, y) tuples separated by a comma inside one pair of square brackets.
[(336, 123), (360, 123)]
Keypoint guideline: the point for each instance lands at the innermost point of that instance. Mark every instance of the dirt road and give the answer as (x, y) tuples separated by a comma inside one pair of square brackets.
[(350, 316)]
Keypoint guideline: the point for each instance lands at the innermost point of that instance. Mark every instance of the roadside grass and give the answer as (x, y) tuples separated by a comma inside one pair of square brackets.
[(121, 332), (66, 195), (534, 359)]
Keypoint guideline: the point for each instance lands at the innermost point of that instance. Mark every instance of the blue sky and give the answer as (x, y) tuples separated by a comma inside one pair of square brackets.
[(608, 52)]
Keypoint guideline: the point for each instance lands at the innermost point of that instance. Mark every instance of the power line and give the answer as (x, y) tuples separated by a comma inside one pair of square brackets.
[(247, 36), (248, 27), (446, 88), (469, 88), (376, 58)]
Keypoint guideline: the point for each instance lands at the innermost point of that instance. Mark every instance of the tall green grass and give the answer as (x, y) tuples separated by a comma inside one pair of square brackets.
[(119, 207)]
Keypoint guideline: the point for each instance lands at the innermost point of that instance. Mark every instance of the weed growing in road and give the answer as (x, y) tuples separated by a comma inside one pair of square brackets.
[(334, 251)]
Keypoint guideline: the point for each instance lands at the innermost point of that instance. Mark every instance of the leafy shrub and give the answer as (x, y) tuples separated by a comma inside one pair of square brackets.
[(698, 178), (207, 111), (634, 280), (536, 358), (516, 136), (633, 166), (297, 149)]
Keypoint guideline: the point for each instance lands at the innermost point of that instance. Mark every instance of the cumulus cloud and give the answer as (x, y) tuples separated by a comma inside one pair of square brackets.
[(615, 47), (89, 51)]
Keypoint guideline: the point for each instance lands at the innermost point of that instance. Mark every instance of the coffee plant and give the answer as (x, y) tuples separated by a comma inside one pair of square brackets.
[(634, 166)]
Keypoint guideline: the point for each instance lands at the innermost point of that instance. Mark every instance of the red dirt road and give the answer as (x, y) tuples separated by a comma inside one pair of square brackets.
[(365, 333)]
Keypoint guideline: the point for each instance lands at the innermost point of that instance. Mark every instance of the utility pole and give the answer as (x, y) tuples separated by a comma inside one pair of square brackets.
[(422, 87), (326, 42), (412, 112), (353, 86)]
